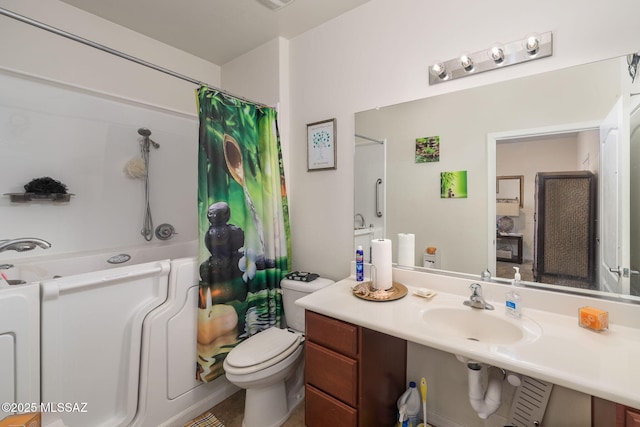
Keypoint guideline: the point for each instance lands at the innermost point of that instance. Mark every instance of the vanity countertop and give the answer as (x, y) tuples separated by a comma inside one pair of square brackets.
[(602, 364)]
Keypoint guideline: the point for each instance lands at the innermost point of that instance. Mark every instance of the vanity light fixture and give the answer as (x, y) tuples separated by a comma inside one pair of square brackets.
[(533, 46), (275, 4)]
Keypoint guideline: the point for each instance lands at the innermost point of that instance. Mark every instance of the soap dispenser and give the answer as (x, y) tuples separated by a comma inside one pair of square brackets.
[(516, 276), (513, 301)]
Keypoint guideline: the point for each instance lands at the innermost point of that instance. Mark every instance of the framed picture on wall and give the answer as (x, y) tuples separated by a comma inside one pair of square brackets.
[(428, 149), (321, 145), (453, 185)]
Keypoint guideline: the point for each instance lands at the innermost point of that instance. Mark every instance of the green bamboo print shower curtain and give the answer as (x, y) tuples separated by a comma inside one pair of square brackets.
[(243, 226)]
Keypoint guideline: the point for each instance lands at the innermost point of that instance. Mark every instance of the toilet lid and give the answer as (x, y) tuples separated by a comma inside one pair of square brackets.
[(272, 343)]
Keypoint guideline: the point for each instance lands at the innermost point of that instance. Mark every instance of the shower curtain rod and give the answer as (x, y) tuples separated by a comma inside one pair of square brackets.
[(369, 139), (123, 55)]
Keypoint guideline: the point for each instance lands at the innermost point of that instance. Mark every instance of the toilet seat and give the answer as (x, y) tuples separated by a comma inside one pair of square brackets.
[(262, 350)]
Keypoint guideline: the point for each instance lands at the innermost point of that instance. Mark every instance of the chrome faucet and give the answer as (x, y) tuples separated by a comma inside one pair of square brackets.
[(363, 223), (476, 300), (5, 266), (23, 244)]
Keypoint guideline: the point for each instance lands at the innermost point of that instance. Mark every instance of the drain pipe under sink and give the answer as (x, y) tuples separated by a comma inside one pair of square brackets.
[(485, 403)]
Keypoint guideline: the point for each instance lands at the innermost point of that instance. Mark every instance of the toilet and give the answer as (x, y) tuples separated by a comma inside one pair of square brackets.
[(269, 365)]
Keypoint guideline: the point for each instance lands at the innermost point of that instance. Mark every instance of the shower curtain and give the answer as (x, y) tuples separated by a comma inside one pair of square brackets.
[(243, 226)]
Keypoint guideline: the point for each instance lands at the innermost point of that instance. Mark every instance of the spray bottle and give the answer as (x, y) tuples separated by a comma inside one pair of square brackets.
[(359, 264)]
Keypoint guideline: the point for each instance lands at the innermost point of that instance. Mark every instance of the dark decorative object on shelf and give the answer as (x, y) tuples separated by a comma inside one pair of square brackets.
[(45, 185), (44, 188)]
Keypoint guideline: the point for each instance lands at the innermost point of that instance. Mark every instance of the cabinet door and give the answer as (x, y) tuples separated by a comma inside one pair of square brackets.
[(631, 417), (605, 413), (322, 410), (383, 368), (332, 373), (333, 334)]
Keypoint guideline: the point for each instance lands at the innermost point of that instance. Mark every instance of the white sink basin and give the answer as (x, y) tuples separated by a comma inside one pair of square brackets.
[(492, 327)]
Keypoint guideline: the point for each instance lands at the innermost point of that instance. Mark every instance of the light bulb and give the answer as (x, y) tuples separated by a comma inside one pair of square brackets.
[(497, 54), (532, 44), (439, 70), (466, 62)]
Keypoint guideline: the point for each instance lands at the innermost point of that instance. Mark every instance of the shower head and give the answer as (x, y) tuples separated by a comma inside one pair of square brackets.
[(145, 133)]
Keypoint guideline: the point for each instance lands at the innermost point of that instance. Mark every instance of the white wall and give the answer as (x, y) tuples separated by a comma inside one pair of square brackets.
[(31, 51), (378, 54), (589, 151)]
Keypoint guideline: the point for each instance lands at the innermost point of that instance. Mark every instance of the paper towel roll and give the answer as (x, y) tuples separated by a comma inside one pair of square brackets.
[(381, 260), (406, 249)]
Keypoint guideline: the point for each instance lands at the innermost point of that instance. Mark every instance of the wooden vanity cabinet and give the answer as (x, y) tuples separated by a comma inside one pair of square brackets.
[(353, 375), (628, 417), (609, 414)]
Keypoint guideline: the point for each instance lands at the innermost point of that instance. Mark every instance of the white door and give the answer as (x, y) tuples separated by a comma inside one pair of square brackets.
[(614, 201)]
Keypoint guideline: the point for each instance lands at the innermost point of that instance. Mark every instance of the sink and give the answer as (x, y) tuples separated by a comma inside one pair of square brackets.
[(490, 327)]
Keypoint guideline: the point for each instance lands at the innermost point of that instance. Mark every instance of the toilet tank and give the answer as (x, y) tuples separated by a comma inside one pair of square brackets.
[(294, 289)]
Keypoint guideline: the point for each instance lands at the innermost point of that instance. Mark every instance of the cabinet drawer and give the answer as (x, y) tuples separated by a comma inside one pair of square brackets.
[(322, 410), (332, 373), (331, 333)]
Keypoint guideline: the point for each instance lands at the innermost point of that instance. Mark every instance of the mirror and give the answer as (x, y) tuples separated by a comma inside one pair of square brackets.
[(552, 113), (509, 190)]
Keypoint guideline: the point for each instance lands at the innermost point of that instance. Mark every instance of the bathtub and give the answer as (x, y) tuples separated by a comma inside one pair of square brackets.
[(118, 336), (42, 266), (19, 345)]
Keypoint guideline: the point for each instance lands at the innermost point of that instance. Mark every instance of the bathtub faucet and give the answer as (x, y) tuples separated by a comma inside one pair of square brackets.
[(23, 244), (363, 223)]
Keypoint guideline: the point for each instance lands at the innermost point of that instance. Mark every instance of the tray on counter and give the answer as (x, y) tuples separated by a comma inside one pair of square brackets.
[(397, 291)]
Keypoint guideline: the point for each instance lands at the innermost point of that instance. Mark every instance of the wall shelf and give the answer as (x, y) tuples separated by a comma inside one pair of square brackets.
[(35, 197)]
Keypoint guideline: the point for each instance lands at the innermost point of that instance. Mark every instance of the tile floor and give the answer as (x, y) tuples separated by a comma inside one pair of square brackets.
[(230, 412)]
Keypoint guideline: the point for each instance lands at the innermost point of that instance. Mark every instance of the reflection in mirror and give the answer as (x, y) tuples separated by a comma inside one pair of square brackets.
[(509, 190), (369, 200), (551, 122)]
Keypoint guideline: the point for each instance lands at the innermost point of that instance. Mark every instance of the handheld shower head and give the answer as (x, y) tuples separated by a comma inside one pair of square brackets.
[(145, 133)]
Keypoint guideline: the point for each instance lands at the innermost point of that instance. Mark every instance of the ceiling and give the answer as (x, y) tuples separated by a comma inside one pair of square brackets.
[(216, 30)]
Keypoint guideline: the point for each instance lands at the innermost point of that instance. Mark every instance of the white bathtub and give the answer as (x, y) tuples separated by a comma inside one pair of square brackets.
[(19, 345), (121, 337), (42, 266)]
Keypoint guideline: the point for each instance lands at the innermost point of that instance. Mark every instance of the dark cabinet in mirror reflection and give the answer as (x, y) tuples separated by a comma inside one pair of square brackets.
[(565, 231)]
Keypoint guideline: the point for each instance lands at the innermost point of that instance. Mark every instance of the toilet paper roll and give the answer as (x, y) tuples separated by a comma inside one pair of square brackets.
[(381, 261), (406, 249)]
